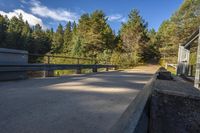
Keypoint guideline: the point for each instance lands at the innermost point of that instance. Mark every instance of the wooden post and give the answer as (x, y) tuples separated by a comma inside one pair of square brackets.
[(78, 70), (116, 67), (78, 61), (49, 73), (107, 68), (48, 59), (197, 74), (94, 69), (190, 70)]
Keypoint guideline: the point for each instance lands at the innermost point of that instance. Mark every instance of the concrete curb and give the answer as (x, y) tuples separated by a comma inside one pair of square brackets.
[(163, 106)]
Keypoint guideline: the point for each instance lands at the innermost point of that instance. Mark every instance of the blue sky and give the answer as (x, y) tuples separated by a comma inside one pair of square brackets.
[(49, 13)]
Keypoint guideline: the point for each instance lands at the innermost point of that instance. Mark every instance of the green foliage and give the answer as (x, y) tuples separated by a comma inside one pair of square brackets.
[(95, 34), (178, 28), (151, 51), (57, 41), (77, 48), (137, 44), (91, 37), (3, 29), (193, 58), (40, 43), (67, 46), (14, 33), (17, 34)]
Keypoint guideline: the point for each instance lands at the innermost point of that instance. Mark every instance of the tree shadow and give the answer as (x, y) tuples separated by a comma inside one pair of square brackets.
[(63, 104)]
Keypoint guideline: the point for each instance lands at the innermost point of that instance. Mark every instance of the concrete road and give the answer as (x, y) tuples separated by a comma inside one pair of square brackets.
[(89, 103)]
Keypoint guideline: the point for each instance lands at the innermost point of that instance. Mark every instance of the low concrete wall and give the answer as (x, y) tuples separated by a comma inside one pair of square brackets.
[(13, 57), (136, 117), (165, 105), (175, 108)]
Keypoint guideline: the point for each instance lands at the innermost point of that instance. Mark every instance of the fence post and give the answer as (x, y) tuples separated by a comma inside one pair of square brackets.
[(191, 70), (49, 73), (116, 67), (197, 74), (78, 70), (48, 59), (94, 69), (107, 68), (78, 61)]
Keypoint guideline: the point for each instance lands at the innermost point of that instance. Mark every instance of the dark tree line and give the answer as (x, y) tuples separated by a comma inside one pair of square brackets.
[(17, 34), (91, 37)]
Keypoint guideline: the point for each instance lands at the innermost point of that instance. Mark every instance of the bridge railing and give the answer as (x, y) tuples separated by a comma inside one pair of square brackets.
[(14, 64), (184, 51), (54, 59), (60, 62), (51, 67)]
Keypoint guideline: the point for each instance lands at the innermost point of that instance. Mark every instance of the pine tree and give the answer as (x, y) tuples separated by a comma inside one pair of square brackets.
[(26, 35), (3, 28), (95, 34), (178, 28), (58, 41), (40, 41), (134, 36), (14, 31), (67, 38), (77, 48)]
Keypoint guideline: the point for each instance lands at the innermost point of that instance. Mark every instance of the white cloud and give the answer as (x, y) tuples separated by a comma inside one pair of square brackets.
[(124, 19), (31, 19), (55, 14), (116, 17), (23, 1)]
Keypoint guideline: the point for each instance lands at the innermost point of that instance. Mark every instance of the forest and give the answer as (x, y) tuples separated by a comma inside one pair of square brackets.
[(92, 37)]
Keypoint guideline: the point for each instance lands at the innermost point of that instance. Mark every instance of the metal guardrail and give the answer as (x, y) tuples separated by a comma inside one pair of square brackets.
[(50, 57), (14, 64), (50, 67)]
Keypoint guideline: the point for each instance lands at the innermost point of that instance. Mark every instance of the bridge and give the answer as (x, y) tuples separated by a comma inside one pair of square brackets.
[(77, 103), (140, 100)]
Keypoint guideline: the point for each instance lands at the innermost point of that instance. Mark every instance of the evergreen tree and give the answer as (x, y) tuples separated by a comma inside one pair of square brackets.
[(26, 35), (40, 41), (14, 31), (49, 34), (178, 28), (58, 41), (95, 34), (151, 51), (134, 36), (92, 37), (67, 38), (3, 29), (77, 48)]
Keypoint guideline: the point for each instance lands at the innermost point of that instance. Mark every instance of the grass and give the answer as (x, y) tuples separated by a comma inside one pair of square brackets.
[(172, 70)]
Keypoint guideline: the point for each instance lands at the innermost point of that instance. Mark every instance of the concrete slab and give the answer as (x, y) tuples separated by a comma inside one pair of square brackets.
[(89, 103), (175, 108)]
